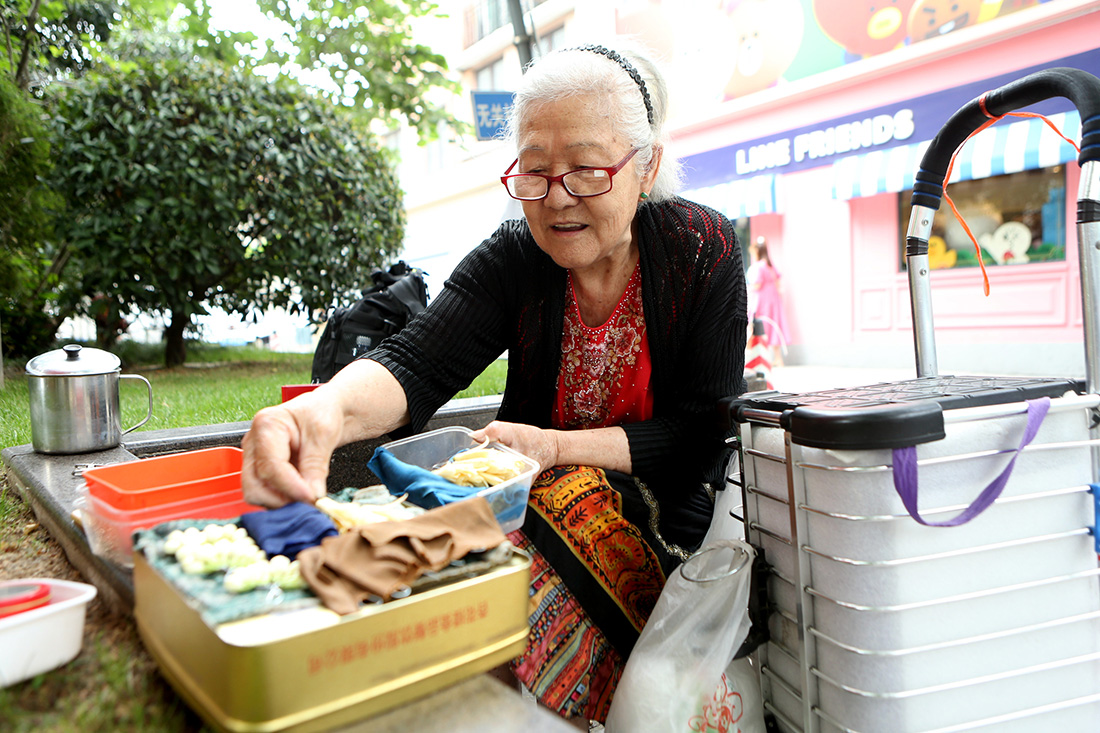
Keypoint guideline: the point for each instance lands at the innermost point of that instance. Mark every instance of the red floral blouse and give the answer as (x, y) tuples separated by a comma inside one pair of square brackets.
[(604, 378)]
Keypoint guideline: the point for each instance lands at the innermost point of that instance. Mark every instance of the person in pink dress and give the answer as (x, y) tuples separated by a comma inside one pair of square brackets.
[(766, 299)]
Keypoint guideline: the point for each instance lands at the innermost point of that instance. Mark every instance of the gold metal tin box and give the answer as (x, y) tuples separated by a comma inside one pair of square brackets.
[(310, 670)]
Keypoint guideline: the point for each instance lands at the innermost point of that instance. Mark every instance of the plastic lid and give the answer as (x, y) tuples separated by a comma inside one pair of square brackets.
[(73, 360), (888, 414), (21, 597)]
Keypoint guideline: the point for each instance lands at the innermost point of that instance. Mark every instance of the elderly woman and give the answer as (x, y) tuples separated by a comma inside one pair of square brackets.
[(623, 312)]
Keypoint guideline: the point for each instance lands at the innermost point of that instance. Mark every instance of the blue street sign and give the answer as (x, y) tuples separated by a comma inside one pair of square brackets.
[(490, 112)]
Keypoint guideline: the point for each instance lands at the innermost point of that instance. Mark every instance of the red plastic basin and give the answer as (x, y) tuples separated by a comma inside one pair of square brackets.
[(179, 477)]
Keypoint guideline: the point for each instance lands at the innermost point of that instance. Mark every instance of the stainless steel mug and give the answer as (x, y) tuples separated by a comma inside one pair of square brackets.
[(74, 400)]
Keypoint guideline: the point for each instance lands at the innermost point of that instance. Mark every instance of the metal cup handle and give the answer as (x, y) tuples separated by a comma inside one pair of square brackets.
[(149, 412)]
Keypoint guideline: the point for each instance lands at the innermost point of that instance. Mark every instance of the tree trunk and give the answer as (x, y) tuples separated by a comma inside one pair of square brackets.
[(30, 40), (105, 338), (109, 325), (175, 349)]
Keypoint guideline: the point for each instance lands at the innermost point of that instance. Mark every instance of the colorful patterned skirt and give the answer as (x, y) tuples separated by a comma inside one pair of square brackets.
[(598, 567)]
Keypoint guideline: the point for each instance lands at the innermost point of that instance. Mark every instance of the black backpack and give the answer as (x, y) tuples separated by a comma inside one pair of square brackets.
[(396, 296)]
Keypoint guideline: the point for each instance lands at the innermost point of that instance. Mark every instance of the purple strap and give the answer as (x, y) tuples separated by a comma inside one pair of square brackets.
[(905, 472)]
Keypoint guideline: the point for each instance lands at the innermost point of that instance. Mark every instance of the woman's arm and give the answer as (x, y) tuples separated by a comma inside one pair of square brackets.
[(465, 328), (604, 447), (288, 448)]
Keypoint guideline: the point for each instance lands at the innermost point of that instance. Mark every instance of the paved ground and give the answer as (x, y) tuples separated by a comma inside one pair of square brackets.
[(814, 378)]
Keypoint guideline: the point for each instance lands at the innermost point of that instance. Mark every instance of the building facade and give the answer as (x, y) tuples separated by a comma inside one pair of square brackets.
[(805, 121)]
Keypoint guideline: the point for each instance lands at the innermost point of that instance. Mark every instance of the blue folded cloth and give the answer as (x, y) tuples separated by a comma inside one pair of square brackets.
[(289, 529), (425, 489)]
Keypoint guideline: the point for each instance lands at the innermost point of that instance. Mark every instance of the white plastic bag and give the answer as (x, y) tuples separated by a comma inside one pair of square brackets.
[(745, 701), (724, 524), (675, 679)]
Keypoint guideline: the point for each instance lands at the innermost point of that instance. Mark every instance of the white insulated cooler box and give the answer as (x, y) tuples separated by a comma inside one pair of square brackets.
[(881, 624)]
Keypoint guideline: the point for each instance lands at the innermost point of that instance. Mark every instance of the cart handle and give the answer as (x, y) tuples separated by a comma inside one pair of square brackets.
[(1080, 87)]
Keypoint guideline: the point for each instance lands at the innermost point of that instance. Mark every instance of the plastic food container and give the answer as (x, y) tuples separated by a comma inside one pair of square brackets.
[(46, 637), (110, 530), (22, 597), (167, 479), (508, 499)]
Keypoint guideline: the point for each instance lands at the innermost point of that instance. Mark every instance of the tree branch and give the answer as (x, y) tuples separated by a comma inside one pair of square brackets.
[(56, 267), (28, 41), (7, 42)]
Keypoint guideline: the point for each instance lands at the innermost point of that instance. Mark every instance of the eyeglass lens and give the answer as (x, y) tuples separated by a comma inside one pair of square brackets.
[(577, 183)]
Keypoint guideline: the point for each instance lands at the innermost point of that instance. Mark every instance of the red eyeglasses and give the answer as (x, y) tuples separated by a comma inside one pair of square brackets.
[(581, 183)]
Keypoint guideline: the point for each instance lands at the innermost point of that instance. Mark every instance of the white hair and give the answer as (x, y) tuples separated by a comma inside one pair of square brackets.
[(578, 71)]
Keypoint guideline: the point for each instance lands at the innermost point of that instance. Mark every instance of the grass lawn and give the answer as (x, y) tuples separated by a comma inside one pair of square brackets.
[(217, 385)]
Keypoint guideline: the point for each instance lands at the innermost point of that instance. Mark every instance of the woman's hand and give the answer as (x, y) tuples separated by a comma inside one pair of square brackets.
[(535, 443), (288, 449)]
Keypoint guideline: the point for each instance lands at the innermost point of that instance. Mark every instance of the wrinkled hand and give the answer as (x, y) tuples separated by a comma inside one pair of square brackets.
[(288, 449), (535, 443)]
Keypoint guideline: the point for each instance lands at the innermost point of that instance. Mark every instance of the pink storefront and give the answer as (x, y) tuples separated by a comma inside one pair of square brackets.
[(821, 167)]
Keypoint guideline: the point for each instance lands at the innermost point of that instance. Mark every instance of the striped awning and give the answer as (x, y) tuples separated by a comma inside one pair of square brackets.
[(741, 196), (1007, 147)]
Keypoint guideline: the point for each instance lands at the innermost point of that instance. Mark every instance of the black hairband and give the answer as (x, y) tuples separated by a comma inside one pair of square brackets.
[(628, 68)]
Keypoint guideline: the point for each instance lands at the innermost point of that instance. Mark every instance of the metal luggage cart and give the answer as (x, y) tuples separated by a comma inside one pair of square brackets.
[(880, 621)]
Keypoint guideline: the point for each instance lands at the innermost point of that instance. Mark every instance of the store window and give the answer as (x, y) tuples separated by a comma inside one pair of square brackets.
[(1018, 218), (485, 16), (488, 15), (490, 78), (551, 40)]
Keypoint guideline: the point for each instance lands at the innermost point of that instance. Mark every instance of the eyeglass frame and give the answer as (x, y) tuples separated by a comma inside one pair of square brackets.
[(550, 180)]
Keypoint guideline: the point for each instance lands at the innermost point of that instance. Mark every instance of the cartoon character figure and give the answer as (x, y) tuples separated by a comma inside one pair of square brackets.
[(939, 256), (767, 35), (990, 9), (982, 221), (1007, 7), (933, 18), (649, 22), (1009, 243), (864, 27)]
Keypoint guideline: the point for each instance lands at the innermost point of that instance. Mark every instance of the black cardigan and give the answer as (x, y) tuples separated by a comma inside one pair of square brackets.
[(508, 295)]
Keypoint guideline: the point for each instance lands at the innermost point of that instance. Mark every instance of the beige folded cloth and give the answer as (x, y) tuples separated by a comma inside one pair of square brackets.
[(380, 558)]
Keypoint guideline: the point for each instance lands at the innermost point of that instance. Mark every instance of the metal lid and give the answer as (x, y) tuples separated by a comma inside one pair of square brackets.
[(73, 360)]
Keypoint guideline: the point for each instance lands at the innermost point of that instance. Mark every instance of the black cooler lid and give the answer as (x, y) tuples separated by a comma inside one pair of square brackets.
[(888, 414)]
